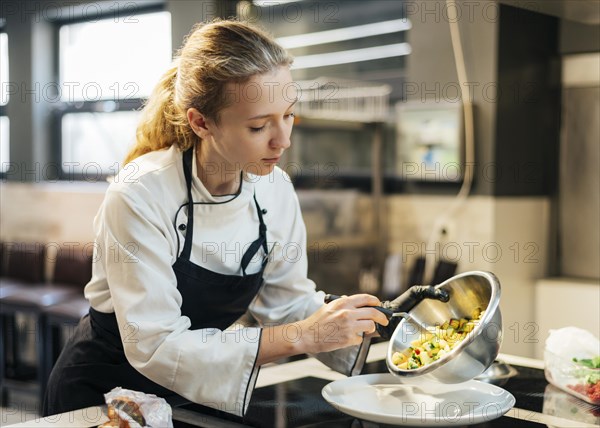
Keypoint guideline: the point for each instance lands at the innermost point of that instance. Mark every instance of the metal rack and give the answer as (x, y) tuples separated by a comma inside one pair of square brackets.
[(375, 239), (348, 105)]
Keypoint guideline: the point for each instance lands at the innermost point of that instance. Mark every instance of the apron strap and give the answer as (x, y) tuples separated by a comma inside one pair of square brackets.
[(261, 241), (189, 234)]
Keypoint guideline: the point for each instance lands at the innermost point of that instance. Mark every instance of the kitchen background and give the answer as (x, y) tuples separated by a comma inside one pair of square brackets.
[(375, 188)]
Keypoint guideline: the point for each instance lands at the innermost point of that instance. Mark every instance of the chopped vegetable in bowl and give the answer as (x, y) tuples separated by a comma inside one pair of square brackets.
[(437, 342)]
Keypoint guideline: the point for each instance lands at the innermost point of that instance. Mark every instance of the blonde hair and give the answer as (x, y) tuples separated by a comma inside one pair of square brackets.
[(213, 55)]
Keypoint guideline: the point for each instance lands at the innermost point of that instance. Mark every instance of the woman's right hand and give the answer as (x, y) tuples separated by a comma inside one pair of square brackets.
[(341, 323)]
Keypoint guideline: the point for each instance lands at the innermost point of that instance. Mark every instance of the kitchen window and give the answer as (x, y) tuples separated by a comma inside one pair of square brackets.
[(107, 69)]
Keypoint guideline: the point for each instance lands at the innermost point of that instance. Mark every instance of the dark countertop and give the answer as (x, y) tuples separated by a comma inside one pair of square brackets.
[(298, 403), (289, 396)]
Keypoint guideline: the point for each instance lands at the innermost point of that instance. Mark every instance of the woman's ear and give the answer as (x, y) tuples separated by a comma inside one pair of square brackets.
[(198, 123)]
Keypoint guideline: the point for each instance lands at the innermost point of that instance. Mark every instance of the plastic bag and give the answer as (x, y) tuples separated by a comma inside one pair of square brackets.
[(133, 409), (570, 342)]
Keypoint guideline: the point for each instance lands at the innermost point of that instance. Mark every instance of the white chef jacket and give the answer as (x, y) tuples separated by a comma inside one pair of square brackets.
[(138, 241)]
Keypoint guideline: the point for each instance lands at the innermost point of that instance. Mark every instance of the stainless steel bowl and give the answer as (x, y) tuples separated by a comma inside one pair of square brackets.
[(476, 352)]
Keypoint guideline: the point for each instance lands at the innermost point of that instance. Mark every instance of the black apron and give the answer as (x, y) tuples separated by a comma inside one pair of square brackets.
[(93, 361)]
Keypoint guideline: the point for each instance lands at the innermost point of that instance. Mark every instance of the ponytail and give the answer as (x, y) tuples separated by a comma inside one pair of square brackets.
[(161, 124)]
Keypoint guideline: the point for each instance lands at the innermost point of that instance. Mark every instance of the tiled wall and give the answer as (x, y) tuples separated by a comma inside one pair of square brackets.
[(52, 212), (565, 302), (60, 213)]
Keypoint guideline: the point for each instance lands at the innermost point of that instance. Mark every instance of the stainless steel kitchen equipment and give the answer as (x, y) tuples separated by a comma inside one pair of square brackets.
[(472, 356), (497, 374)]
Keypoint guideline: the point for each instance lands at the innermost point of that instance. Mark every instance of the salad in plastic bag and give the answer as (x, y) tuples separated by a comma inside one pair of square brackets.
[(572, 363)]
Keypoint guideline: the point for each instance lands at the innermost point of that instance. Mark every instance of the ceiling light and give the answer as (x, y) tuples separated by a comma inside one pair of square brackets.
[(353, 55), (347, 33)]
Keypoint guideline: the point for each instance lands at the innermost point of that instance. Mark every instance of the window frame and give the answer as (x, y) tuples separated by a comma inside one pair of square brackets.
[(63, 108), (3, 108)]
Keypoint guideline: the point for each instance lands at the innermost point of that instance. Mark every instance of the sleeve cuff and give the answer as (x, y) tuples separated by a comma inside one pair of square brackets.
[(252, 378)]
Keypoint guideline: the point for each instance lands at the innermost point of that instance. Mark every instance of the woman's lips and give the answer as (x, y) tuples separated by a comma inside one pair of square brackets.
[(271, 160)]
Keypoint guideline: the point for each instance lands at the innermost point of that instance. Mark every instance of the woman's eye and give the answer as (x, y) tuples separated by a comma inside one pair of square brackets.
[(290, 115), (257, 129)]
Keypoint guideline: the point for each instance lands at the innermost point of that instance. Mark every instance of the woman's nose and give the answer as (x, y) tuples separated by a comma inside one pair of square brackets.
[(281, 139)]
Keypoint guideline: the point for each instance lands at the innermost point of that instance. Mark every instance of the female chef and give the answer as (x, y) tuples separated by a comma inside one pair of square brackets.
[(200, 273)]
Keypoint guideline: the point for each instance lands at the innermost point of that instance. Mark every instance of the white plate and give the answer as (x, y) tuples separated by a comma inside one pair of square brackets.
[(385, 399)]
